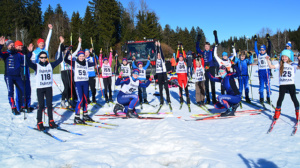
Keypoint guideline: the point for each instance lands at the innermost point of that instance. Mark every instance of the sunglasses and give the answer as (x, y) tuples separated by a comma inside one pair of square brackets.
[(221, 70), (43, 57), (135, 73), (262, 50)]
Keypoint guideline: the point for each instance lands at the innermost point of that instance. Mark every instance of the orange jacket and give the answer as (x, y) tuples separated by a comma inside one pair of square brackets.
[(173, 62)]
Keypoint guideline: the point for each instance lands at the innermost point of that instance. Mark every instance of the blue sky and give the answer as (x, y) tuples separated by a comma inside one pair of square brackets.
[(228, 17)]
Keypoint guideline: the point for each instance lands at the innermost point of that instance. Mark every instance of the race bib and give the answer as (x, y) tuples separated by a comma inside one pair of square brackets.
[(44, 76), (81, 72)]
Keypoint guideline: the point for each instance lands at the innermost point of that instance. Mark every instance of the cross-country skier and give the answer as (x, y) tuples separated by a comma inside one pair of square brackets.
[(287, 70), (229, 101), (161, 72), (80, 68), (13, 61), (44, 80), (105, 65), (26, 79), (125, 68), (90, 57), (263, 70), (142, 78), (42, 46), (181, 70), (127, 100), (209, 62), (66, 75), (224, 61), (242, 63), (200, 81)]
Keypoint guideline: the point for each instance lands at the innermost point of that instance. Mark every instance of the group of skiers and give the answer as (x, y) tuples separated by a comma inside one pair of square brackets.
[(79, 69)]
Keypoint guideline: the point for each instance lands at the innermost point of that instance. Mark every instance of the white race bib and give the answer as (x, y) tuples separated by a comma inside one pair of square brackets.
[(81, 72), (126, 70), (262, 62), (44, 76), (159, 66), (142, 73), (131, 87), (288, 75), (106, 70), (200, 74), (181, 67)]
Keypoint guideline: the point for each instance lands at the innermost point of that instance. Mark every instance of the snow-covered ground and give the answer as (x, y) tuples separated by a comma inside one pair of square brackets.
[(234, 143)]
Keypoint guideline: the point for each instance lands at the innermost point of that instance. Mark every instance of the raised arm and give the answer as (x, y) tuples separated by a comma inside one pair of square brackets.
[(61, 48), (255, 45), (122, 82), (110, 57), (147, 65), (48, 37), (28, 58), (269, 45), (216, 55), (100, 58), (78, 48), (3, 55)]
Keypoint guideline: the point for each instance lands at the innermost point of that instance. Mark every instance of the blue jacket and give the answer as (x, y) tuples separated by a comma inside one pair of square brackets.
[(228, 82), (91, 59), (207, 55), (243, 64), (13, 62), (145, 68)]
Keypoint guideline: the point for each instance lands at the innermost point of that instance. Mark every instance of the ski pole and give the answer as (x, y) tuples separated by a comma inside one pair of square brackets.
[(22, 36), (116, 65), (57, 86), (71, 72), (96, 66)]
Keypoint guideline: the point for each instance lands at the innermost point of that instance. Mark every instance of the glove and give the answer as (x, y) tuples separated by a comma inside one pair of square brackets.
[(120, 74), (268, 36), (232, 63), (215, 33), (70, 47), (182, 47), (152, 77), (238, 50), (232, 44), (148, 57), (255, 37), (206, 67), (199, 37), (249, 53)]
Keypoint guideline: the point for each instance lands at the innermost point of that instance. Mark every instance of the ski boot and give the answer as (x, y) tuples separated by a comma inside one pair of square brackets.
[(63, 104), (86, 117), (89, 101), (52, 124), (131, 114), (118, 107), (15, 111), (40, 126), (207, 101), (268, 100), (146, 101), (78, 120), (297, 115), (277, 113), (247, 99), (199, 104), (228, 112), (261, 100), (181, 100), (214, 101)]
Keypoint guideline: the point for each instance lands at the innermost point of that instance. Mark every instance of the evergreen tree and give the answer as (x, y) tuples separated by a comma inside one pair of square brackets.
[(88, 27), (147, 25), (34, 19), (76, 26)]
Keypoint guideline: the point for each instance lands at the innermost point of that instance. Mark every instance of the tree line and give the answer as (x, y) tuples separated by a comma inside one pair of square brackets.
[(110, 24)]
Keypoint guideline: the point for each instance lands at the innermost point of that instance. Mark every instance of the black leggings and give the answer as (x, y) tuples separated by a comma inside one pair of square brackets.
[(211, 70), (92, 84), (163, 83), (107, 86), (292, 91), (43, 93), (66, 81)]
